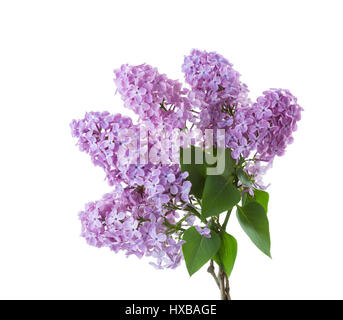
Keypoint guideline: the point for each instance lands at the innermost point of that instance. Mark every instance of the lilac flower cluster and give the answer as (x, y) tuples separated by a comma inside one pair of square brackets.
[(154, 97), (142, 214), (276, 114), (215, 84), (130, 222), (263, 128), (104, 137), (111, 141)]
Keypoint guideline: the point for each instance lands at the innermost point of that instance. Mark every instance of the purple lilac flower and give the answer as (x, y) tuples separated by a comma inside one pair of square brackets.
[(274, 118), (130, 222), (110, 139), (155, 98), (279, 108), (264, 128), (99, 135), (204, 231), (147, 192), (216, 84), (115, 221)]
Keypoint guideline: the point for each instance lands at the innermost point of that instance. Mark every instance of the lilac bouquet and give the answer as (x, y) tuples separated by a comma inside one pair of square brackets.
[(191, 157)]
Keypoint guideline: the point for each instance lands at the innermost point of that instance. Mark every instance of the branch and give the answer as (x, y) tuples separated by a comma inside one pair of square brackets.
[(227, 287), (211, 271), (224, 285)]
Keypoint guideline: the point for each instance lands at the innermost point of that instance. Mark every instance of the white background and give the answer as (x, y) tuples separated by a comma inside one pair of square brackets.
[(56, 63)]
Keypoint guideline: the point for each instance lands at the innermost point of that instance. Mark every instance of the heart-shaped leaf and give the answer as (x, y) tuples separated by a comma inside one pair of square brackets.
[(226, 255), (219, 195), (260, 196), (197, 249), (195, 167), (253, 220)]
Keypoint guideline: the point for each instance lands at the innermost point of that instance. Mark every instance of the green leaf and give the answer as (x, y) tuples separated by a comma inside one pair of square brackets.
[(245, 198), (260, 196), (226, 255), (230, 164), (219, 195), (197, 172), (253, 220), (243, 177), (225, 164), (197, 250)]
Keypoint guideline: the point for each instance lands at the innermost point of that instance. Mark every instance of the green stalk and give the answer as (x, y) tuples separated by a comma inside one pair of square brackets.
[(226, 219)]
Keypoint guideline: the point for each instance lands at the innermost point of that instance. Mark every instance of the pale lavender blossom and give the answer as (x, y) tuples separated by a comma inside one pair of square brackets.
[(216, 84), (154, 97), (204, 231), (129, 222)]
